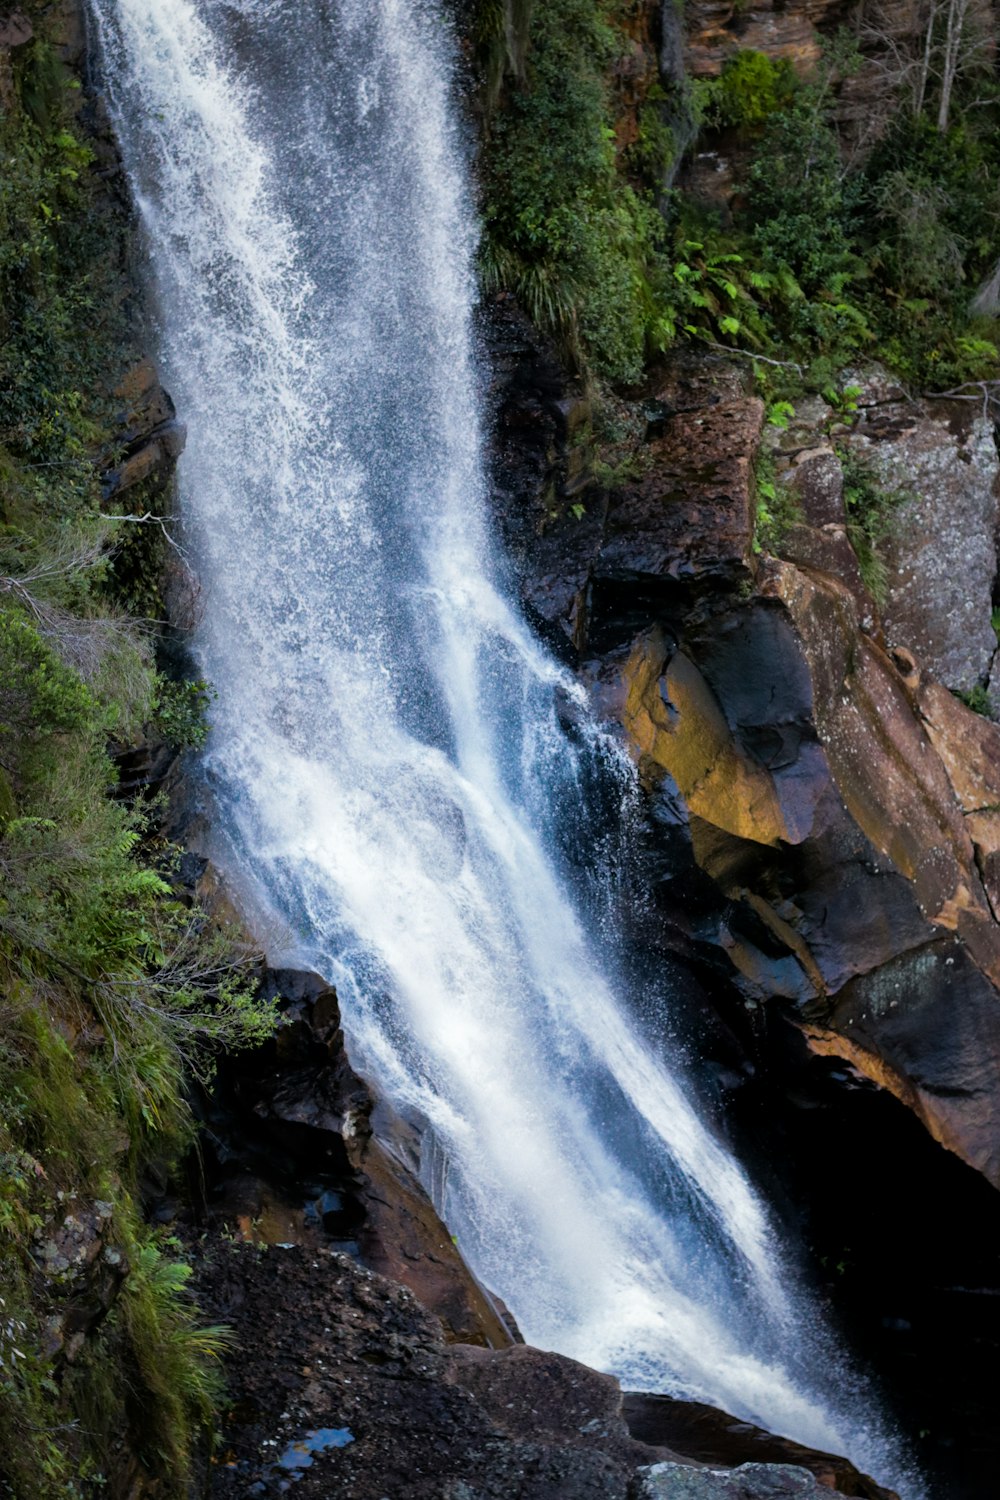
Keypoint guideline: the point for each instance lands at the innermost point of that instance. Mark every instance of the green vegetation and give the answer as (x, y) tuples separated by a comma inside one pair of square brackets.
[(777, 508), (869, 506), (749, 90), (564, 227), (978, 699), (113, 987), (827, 257)]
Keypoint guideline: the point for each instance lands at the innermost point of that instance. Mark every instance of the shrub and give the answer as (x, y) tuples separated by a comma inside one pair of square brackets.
[(747, 92), (870, 511)]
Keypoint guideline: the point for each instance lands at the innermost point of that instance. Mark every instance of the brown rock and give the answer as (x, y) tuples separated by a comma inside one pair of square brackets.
[(703, 1434), (883, 763), (403, 1238), (926, 1026), (717, 29), (15, 29), (676, 725), (316, 1114), (969, 747), (690, 518)]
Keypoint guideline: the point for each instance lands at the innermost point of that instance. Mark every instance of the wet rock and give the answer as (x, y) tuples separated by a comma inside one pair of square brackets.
[(149, 432), (705, 1435), (294, 1127), (534, 413), (557, 585), (351, 1352), (748, 1482), (926, 1026), (825, 809), (678, 724), (689, 519)]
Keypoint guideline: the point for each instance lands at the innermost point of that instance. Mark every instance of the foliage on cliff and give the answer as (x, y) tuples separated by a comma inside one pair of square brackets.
[(824, 254), (112, 985), (565, 227)]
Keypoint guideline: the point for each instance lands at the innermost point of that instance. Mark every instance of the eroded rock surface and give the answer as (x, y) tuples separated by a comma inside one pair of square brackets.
[(841, 806), (360, 1397), (941, 555)]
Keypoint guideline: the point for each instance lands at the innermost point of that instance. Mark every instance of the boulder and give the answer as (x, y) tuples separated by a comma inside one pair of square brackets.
[(748, 1482), (705, 1435), (738, 746), (352, 1354)]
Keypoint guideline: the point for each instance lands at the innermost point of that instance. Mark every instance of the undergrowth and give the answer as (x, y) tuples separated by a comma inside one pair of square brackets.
[(114, 988), (822, 261)]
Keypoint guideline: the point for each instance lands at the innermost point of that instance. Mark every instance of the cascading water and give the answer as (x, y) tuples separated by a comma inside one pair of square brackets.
[(386, 755)]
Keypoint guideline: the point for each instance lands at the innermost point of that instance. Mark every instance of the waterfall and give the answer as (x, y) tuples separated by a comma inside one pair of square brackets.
[(386, 758)]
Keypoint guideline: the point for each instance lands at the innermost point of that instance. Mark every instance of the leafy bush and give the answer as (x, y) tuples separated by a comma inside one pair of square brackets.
[(747, 92), (802, 213)]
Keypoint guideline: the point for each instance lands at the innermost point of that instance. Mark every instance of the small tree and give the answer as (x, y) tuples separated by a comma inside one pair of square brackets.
[(952, 40)]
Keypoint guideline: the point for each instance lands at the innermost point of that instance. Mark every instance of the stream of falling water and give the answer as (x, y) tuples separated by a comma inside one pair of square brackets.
[(386, 755)]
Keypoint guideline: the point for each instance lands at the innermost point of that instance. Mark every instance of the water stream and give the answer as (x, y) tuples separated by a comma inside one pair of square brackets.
[(386, 762)]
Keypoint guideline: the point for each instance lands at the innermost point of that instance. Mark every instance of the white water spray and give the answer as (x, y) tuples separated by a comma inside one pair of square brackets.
[(386, 756)]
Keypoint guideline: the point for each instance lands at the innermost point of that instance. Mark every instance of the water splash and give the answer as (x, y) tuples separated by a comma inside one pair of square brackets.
[(387, 757)]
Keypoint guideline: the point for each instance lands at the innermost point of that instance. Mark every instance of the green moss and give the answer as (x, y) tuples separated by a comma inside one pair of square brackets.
[(978, 699)]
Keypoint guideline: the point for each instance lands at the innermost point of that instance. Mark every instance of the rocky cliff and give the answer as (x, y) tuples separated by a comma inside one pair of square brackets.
[(799, 742)]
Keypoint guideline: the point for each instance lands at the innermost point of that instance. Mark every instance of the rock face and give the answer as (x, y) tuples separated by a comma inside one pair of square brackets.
[(149, 432), (837, 804), (717, 29), (748, 1482), (941, 554), (343, 1380), (303, 1152), (722, 1443)]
